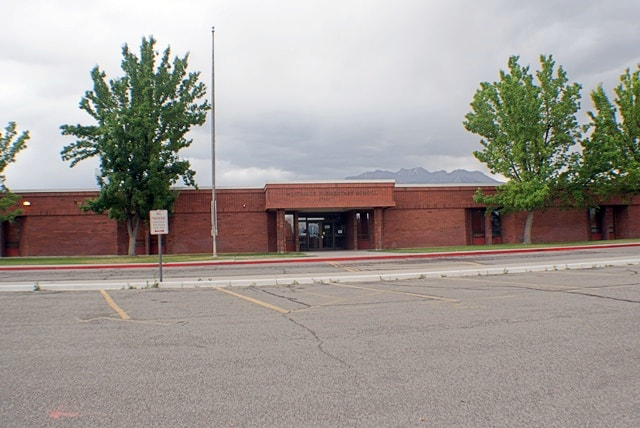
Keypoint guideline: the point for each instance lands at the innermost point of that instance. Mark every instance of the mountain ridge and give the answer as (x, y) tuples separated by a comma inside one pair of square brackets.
[(420, 175)]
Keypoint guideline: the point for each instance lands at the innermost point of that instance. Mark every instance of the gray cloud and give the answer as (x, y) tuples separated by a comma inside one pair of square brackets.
[(304, 90)]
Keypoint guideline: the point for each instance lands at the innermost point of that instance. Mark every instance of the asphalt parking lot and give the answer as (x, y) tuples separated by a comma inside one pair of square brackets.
[(557, 348)]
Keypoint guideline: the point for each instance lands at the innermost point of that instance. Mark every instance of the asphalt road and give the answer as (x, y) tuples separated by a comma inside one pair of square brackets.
[(338, 268), (554, 348)]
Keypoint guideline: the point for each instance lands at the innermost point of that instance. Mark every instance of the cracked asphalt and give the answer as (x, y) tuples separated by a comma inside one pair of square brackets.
[(557, 348)]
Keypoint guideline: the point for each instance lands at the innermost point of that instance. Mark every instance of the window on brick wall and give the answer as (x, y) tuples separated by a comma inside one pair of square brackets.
[(595, 219), (477, 222), (363, 221), (496, 224)]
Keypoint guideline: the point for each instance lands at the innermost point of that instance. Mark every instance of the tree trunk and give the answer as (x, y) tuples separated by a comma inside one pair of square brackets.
[(133, 227), (527, 228)]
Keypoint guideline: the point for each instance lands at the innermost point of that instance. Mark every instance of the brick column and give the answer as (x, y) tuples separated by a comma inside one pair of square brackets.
[(281, 237), (354, 229), (609, 225), (488, 231), (377, 228), (296, 238)]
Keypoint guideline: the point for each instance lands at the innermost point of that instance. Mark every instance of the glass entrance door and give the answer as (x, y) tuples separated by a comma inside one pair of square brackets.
[(321, 232)]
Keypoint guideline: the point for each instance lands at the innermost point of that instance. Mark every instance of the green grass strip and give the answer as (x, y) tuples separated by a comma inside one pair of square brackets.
[(166, 258), (169, 258)]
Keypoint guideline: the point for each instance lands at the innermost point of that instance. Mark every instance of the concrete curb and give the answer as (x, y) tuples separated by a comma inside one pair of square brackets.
[(284, 280)]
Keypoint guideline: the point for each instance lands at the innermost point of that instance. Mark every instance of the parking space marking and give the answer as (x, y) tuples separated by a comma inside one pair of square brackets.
[(341, 266), (546, 287), (252, 300), (510, 283), (405, 293), (331, 300), (113, 305), (502, 296)]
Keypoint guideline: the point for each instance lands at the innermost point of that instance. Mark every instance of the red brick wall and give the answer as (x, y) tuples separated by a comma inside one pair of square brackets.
[(627, 223), (68, 235), (552, 225), (242, 222), (511, 229), (428, 216), (435, 197), (434, 216), (189, 233), (422, 216), (405, 228), (54, 224), (190, 224)]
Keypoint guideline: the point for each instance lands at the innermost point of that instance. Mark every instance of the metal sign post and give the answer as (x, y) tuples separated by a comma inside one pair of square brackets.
[(159, 225), (160, 258), (214, 215)]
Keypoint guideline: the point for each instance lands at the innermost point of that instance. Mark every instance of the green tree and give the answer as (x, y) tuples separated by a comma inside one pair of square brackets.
[(528, 128), (9, 148), (142, 119), (611, 153)]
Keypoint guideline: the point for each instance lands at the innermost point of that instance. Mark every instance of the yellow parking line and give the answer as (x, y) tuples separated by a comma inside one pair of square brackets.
[(252, 300), (114, 306), (341, 266), (424, 296)]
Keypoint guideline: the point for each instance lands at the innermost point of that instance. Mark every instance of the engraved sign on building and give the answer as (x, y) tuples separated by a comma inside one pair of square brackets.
[(329, 195)]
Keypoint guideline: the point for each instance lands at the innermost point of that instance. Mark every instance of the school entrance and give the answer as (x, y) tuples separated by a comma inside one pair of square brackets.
[(322, 231), (322, 216)]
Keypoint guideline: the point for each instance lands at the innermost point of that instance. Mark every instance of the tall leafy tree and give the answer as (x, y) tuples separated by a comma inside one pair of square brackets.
[(9, 148), (142, 119), (528, 127), (611, 152)]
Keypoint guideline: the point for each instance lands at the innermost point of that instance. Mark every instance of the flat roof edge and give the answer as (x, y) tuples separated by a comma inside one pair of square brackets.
[(449, 185), (331, 181), (280, 183)]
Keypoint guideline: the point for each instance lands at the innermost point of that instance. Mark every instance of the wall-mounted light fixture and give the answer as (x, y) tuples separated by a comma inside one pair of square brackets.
[(26, 203)]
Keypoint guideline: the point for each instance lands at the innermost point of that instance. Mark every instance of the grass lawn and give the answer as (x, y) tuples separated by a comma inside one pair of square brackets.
[(168, 258), (509, 246)]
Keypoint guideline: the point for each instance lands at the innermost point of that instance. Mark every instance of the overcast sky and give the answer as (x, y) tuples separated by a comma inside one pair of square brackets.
[(305, 89)]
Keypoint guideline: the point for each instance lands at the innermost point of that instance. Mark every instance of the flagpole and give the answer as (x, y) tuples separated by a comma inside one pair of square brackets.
[(214, 216)]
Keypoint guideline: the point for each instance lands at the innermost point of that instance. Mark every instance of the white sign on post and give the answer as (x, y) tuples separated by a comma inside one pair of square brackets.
[(159, 221), (159, 225)]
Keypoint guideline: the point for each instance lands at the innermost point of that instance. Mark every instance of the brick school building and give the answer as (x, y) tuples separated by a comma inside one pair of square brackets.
[(306, 216)]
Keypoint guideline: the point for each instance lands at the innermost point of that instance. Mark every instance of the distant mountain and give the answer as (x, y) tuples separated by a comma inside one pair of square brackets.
[(422, 176)]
